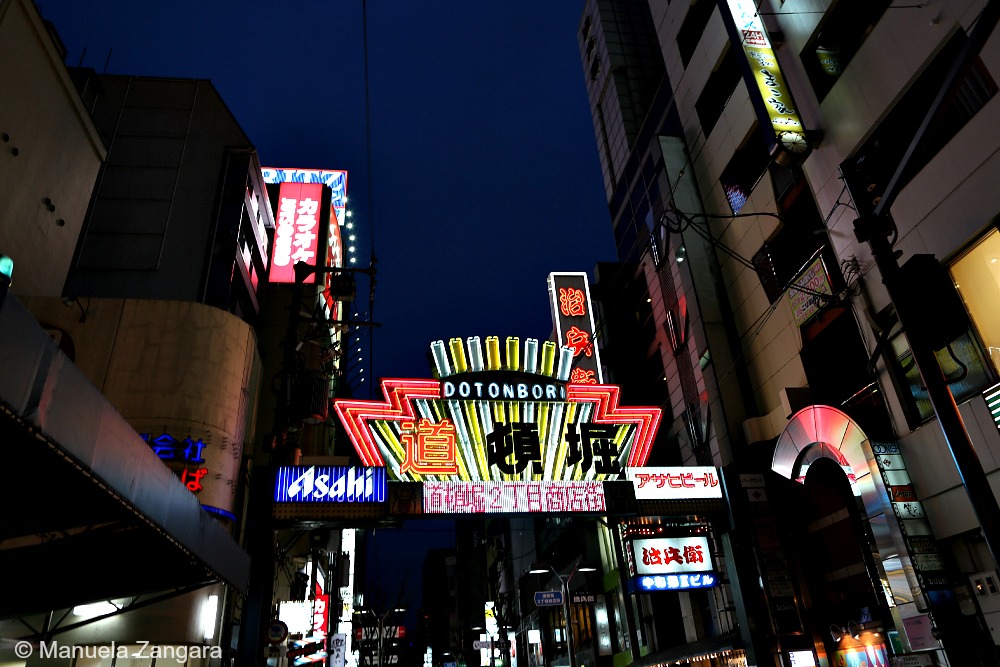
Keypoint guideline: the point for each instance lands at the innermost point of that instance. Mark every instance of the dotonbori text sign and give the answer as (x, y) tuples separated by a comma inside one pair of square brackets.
[(296, 230), (489, 419), (569, 296), (671, 555), (675, 483), (329, 484)]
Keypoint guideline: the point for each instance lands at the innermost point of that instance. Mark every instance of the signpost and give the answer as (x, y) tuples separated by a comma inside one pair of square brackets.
[(548, 598)]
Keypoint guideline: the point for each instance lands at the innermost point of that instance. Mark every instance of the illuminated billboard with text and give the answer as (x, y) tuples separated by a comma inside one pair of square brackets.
[(501, 432), (772, 92), (675, 482), (296, 230), (572, 312)]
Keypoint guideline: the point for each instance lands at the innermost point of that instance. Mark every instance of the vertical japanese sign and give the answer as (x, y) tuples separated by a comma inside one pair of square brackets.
[(296, 230), (772, 89), (569, 295)]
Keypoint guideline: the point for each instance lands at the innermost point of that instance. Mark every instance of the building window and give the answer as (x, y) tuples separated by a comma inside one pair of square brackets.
[(841, 33), (717, 91), (977, 277), (868, 171), (962, 362), (744, 170), (693, 27)]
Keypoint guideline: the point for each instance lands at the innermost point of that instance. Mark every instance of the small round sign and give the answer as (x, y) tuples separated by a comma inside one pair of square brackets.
[(277, 631)]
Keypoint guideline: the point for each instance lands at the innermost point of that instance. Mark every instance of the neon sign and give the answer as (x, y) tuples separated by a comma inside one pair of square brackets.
[(188, 451), (677, 582), (570, 301), (329, 484), (671, 555), (675, 482), (295, 230), (771, 86), (512, 497), (502, 420)]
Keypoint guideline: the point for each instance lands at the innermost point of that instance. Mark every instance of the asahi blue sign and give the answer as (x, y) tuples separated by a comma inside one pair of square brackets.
[(329, 484)]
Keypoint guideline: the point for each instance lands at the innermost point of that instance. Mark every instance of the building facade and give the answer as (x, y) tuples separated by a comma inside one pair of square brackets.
[(775, 126)]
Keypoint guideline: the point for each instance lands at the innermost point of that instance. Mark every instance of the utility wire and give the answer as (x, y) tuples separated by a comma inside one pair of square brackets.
[(370, 207)]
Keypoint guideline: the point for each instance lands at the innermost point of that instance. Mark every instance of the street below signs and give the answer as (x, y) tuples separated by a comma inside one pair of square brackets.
[(548, 598)]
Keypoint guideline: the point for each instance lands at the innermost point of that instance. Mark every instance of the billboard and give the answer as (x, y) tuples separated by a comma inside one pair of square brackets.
[(672, 555), (569, 296), (296, 230), (675, 482), (329, 484), (495, 419)]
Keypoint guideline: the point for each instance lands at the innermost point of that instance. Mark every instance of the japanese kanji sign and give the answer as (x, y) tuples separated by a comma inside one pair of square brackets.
[(671, 555), (569, 295), (675, 483), (296, 230)]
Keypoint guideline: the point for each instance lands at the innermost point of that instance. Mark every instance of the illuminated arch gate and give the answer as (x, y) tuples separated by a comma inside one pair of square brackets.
[(823, 432)]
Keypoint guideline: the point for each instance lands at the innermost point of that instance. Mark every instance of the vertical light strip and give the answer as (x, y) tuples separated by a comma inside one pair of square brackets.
[(548, 357), (475, 354), (513, 356), (440, 358), (565, 363), (531, 355), (457, 355), (493, 362)]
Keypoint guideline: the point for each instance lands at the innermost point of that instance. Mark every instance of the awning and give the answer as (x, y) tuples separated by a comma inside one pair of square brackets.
[(90, 511), (698, 649)]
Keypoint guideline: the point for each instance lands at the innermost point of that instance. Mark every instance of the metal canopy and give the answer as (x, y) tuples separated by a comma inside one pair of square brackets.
[(89, 511)]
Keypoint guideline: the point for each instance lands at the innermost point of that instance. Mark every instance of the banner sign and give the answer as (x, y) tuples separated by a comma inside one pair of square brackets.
[(487, 419), (329, 484), (296, 230), (512, 497), (675, 482), (671, 555), (569, 295), (676, 582)]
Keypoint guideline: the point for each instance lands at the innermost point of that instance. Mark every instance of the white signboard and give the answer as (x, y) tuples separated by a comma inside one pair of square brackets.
[(671, 555), (675, 483)]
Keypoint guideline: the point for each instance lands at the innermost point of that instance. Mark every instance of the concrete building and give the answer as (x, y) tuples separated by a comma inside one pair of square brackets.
[(773, 128), (104, 543)]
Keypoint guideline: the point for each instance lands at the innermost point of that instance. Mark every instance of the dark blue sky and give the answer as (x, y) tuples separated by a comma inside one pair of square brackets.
[(485, 171)]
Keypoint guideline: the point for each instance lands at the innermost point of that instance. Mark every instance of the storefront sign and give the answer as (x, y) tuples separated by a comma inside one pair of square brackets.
[(671, 555), (569, 296), (296, 230), (329, 484), (804, 294), (781, 112), (676, 582), (675, 483), (187, 453), (536, 426), (513, 497)]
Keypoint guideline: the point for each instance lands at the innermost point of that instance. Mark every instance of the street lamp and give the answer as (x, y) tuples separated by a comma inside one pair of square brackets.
[(542, 568)]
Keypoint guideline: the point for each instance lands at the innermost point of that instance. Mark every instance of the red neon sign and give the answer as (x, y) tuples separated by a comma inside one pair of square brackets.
[(296, 230), (398, 406)]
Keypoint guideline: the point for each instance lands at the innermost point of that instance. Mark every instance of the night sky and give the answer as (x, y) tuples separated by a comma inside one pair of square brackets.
[(485, 172)]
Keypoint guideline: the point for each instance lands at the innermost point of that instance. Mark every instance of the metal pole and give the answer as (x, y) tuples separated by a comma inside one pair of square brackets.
[(566, 611)]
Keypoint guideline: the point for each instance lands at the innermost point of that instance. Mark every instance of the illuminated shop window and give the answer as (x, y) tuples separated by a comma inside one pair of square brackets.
[(977, 277), (965, 351), (745, 169)]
